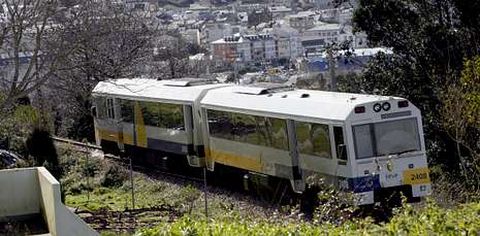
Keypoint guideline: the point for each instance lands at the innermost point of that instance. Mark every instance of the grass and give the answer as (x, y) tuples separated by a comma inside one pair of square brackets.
[(428, 220), (165, 206), (157, 199)]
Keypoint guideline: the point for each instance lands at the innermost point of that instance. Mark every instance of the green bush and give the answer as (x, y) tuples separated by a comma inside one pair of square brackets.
[(114, 176)]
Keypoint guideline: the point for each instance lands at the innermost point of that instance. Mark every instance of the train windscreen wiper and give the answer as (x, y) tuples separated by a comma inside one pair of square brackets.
[(406, 151)]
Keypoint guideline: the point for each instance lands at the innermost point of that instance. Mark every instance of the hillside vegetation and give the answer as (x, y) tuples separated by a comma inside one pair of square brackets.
[(428, 220), (100, 192)]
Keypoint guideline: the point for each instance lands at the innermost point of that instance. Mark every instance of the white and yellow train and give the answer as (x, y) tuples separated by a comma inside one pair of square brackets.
[(372, 145)]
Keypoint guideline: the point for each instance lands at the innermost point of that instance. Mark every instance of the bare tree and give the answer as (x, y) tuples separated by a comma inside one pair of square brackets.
[(171, 55), (107, 43), (27, 61)]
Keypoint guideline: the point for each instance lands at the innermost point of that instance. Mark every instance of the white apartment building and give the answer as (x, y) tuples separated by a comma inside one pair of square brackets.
[(279, 12), (287, 40), (215, 31), (277, 44), (262, 47), (302, 20), (316, 38)]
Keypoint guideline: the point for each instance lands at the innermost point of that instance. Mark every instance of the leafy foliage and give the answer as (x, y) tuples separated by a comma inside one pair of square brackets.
[(429, 40), (114, 176), (427, 220), (461, 115)]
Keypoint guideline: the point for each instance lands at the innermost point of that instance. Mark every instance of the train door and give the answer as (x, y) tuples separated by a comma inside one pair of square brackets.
[(339, 149), (107, 127), (192, 158)]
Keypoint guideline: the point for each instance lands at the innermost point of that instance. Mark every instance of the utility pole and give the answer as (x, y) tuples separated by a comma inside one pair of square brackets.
[(131, 183), (130, 157), (88, 169), (331, 67)]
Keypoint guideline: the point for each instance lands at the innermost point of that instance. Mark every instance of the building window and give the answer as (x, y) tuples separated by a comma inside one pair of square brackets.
[(313, 139)]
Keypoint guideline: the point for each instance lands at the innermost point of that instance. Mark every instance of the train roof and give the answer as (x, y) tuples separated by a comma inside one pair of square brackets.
[(288, 102), (180, 90)]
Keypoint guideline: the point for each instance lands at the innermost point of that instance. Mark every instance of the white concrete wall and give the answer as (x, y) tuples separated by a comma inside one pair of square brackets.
[(29, 191), (60, 220), (18, 192)]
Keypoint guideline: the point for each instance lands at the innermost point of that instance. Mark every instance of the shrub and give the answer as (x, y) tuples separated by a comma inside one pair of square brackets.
[(329, 203), (428, 220), (114, 176), (40, 145)]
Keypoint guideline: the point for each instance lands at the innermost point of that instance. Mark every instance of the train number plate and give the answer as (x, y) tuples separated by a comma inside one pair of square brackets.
[(416, 176)]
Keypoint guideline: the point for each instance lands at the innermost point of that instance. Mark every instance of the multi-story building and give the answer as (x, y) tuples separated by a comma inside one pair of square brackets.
[(262, 47), (302, 20), (315, 39), (215, 31), (277, 43), (192, 36), (250, 7), (232, 49), (279, 12), (287, 41), (323, 4)]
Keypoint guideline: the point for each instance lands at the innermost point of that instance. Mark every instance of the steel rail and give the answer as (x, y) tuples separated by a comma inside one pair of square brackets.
[(146, 170)]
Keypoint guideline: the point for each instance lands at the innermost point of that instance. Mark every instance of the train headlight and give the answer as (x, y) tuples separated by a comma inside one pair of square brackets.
[(377, 107), (386, 106)]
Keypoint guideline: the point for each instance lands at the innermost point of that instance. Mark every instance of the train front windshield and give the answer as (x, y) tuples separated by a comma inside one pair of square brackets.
[(390, 137)]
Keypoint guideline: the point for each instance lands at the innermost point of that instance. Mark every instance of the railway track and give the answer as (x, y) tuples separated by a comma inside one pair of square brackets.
[(88, 148)]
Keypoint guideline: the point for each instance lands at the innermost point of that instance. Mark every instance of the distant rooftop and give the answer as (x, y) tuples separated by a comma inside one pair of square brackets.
[(324, 26), (303, 14)]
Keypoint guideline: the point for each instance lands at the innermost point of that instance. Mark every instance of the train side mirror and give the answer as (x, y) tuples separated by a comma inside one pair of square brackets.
[(93, 111)]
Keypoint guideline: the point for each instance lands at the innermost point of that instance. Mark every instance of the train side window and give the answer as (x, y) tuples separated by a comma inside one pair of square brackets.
[(100, 105), (257, 130), (277, 128), (110, 109), (313, 139), (150, 113), (163, 115), (340, 143), (126, 110), (171, 116), (220, 124), (246, 129)]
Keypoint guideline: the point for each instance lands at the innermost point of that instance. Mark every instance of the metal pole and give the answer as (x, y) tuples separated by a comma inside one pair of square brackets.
[(131, 182), (130, 156), (205, 190), (88, 172)]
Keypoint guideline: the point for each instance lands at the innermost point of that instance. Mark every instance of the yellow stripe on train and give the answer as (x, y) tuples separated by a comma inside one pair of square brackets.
[(230, 159), (114, 136), (140, 126)]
